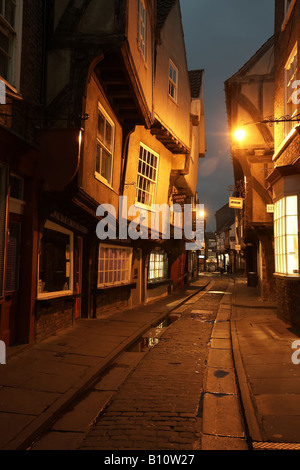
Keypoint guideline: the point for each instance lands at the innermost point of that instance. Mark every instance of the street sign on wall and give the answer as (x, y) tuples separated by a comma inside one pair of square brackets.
[(236, 203)]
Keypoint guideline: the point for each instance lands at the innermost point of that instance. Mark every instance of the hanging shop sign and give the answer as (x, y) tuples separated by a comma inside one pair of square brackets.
[(236, 203)]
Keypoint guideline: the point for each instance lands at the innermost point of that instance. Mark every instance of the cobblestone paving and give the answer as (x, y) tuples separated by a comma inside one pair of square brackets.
[(159, 405)]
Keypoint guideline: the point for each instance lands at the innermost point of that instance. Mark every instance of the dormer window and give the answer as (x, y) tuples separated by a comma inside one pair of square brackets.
[(142, 27), (173, 81)]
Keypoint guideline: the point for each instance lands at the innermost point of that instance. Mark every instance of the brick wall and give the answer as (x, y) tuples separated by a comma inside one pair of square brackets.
[(112, 299), (288, 299), (53, 316)]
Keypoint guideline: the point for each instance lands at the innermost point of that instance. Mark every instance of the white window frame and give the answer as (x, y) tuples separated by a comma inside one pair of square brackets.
[(145, 178), (113, 266), (173, 84), (288, 8), (51, 295), (142, 28), (281, 236), (157, 264), (14, 34), (104, 147), (290, 107)]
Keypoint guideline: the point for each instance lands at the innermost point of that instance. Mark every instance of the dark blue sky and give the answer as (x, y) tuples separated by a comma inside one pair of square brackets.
[(220, 36)]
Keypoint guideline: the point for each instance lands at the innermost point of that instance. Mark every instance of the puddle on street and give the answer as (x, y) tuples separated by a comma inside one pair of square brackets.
[(152, 337)]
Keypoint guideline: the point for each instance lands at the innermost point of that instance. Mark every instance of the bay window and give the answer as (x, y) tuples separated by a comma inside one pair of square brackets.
[(158, 266), (286, 236), (114, 266)]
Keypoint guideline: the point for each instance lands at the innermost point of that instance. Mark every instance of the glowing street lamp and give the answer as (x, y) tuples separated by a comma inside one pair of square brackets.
[(240, 134)]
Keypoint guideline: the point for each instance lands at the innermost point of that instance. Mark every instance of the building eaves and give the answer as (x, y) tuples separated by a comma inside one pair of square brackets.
[(196, 79), (163, 8)]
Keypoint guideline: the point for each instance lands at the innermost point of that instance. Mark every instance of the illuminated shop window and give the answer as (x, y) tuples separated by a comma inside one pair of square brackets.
[(114, 266), (286, 235), (105, 147), (158, 266), (290, 103), (55, 261), (173, 81), (142, 27), (147, 176)]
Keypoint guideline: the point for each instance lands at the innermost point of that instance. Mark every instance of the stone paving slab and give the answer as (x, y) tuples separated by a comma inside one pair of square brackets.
[(222, 416), (217, 343), (275, 386), (282, 428), (83, 413), (59, 441), (220, 358), (9, 422), (222, 443), (221, 381)]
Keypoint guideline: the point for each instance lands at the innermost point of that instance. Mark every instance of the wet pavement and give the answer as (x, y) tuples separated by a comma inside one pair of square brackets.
[(159, 400), (200, 370), (269, 381), (40, 381)]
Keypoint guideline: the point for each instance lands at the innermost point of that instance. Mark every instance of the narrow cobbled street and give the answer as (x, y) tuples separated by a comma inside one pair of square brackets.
[(151, 397), (159, 405)]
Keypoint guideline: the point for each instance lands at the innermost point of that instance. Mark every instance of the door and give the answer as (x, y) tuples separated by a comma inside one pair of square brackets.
[(78, 279), (136, 294), (8, 310)]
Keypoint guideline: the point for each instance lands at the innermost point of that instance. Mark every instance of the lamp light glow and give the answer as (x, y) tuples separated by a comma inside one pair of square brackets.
[(240, 134)]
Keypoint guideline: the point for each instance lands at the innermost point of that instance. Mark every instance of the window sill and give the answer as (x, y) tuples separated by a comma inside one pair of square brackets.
[(162, 282), (10, 90), (130, 285), (56, 295), (292, 277), (173, 100), (103, 180), (140, 205)]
